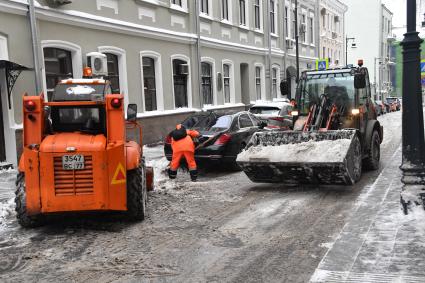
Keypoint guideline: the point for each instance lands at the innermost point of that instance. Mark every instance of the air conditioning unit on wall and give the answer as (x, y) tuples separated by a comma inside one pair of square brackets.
[(56, 3), (98, 63), (289, 44)]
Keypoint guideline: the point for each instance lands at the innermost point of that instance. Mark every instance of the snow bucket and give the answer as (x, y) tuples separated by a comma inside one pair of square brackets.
[(331, 157)]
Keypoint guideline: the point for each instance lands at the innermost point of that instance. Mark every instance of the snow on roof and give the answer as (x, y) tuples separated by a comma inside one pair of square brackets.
[(327, 151)]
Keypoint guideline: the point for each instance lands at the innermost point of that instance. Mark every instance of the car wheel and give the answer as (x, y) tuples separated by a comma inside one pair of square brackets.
[(233, 166)]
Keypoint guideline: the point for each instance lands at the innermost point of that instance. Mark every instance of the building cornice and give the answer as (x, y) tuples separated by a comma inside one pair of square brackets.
[(76, 18), (81, 19)]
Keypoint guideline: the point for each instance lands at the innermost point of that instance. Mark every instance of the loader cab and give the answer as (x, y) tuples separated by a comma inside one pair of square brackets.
[(72, 110), (347, 88)]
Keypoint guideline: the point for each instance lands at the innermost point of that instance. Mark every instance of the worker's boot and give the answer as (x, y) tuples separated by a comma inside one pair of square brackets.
[(172, 174), (193, 175)]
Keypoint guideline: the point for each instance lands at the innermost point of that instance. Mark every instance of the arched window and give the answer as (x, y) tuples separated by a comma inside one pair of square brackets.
[(258, 82), (275, 81), (58, 66), (113, 72), (180, 81), (226, 83), (149, 83), (207, 87)]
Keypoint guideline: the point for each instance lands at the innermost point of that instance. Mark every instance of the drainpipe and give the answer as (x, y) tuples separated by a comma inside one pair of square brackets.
[(269, 57), (198, 52), (35, 47)]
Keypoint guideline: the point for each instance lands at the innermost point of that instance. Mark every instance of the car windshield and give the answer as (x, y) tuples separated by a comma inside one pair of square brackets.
[(391, 99), (339, 88), (79, 92), (265, 110)]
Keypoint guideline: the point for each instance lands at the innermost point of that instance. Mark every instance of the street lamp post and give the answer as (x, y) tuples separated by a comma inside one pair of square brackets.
[(413, 148), (374, 76), (347, 40), (297, 51)]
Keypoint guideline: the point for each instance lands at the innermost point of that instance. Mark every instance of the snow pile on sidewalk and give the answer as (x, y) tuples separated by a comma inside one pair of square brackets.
[(7, 209), (161, 179), (306, 152)]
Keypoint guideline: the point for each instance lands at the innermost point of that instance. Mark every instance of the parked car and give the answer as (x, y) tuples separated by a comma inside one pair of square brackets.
[(382, 106), (378, 108), (226, 135), (394, 102), (387, 106), (276, 114)]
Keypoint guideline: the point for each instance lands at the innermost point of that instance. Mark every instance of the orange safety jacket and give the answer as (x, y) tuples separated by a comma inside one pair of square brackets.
[(185, 144)]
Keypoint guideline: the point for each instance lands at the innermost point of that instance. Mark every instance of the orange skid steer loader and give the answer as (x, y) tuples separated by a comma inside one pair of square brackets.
[(76, 156)]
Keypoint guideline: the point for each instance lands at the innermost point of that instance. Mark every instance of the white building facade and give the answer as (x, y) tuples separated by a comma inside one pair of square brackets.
[(332, 31), (372, 29)]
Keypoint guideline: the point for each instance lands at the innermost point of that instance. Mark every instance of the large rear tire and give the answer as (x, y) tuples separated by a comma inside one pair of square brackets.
[(372, 161), (137, 193), (25, 220), (354, 162)]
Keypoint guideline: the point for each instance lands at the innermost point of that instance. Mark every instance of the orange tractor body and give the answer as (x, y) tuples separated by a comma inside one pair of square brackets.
[(77, 157)]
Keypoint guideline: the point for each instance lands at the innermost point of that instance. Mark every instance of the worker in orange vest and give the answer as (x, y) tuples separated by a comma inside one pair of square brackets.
[(183, 146)]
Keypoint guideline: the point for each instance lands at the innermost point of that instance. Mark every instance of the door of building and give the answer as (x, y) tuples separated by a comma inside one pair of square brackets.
[(4, 55), (2, 141)]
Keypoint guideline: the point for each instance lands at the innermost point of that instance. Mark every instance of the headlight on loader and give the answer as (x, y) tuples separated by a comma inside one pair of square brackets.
[(355, 111), (294, 113)]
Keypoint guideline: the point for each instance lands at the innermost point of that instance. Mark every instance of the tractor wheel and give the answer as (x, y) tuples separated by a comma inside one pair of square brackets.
[(372, 161), (355, 161), (24, 219), (137, 192)]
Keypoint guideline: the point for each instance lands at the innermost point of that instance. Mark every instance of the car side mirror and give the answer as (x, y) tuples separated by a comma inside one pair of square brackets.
[(262, 125), (360, 81), (132, 112)]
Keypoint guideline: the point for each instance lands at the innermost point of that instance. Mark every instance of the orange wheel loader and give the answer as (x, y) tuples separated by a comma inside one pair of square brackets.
[(76, 157)]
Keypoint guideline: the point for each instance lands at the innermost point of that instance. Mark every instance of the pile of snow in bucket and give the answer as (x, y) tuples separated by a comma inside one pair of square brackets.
[(306, 152)]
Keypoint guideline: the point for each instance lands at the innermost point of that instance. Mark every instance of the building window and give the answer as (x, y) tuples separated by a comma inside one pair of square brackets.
[(205, 7), (272, 16), (257, 14), (324, 53), (207, 90), (226, 83), (304, 29), (177, 2), (113, 72), (225, 9), (149, 84), (180, 76), (242, 12), (293, 25), (258, 82), (58, 66), (286, 22), (274, 82), (311, 29)]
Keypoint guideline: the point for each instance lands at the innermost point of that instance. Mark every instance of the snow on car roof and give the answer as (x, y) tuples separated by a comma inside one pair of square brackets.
[(277, 104)]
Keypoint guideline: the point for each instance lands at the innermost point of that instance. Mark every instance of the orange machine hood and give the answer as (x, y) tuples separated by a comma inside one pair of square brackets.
[(64, 142)]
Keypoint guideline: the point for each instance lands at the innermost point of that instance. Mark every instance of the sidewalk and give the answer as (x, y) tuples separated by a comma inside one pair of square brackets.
[(379, 243)]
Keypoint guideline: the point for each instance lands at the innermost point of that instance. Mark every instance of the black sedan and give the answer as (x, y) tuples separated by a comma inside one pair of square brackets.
[(222, 136)]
